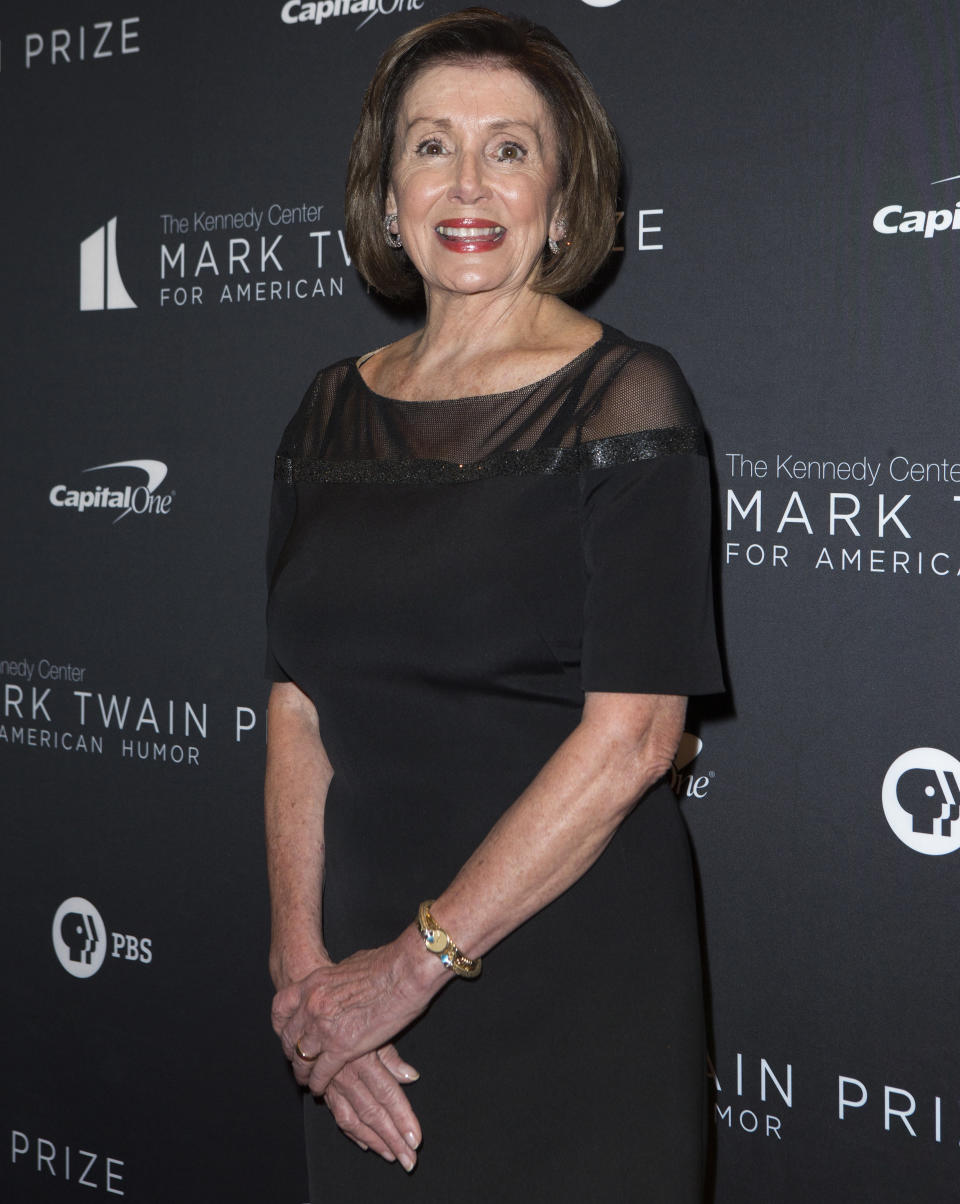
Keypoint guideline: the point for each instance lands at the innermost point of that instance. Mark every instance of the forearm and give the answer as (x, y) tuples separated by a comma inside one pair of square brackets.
[(547, 839), (362, 1091), (563, 821), (298, 776)]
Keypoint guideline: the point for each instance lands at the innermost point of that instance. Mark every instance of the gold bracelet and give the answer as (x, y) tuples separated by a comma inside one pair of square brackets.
[(439, 942)]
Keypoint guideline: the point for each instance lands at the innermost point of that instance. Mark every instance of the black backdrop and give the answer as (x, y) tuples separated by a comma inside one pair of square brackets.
[(791, 233)]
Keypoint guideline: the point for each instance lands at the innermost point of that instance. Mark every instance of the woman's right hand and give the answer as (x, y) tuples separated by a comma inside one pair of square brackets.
[(370, 1106), (366, 1096)]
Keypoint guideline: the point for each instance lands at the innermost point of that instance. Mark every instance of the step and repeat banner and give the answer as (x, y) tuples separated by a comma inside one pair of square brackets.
[(174, 274)]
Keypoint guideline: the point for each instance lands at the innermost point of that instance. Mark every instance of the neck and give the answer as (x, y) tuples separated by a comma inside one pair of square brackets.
[(484, 322)]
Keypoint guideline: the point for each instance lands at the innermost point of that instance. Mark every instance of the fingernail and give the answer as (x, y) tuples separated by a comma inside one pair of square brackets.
[(409, 1073), (362, 1146), (408, 1162), (412, 1140), (388, 1156)]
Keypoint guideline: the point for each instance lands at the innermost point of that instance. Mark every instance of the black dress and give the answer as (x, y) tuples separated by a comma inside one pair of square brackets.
[(447, 578)]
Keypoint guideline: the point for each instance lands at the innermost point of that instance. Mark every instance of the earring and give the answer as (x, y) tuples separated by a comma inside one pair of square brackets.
[(562, 230), (393, 240)]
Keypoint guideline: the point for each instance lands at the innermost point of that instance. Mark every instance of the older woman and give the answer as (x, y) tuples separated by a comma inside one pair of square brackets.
[(489, 598)]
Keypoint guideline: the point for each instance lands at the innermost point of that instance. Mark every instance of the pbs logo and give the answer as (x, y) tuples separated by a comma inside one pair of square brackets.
[(79, 937), (80, 940), (921, 800)]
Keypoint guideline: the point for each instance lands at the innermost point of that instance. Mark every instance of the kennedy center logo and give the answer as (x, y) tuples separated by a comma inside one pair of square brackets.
[(921, 800), (101, 286)]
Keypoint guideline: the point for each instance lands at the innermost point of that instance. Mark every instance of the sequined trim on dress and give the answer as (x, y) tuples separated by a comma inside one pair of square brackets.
[(598, 453)]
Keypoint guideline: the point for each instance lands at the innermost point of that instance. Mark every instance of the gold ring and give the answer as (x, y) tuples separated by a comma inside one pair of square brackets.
[(306, 1057)]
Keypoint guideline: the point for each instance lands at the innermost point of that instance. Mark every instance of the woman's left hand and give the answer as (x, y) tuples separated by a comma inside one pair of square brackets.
[(344, 1010), (367, 1100)]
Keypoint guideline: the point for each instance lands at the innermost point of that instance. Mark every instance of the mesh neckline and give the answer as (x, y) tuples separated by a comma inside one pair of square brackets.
[(615, 387), (534, 384)]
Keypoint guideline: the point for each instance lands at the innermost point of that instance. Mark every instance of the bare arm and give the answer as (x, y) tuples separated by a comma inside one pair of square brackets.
[(364, 1096), (543, 843), (298, 777), (564, 820)]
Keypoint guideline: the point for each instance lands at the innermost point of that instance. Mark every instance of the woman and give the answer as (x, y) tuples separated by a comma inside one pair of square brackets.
[(489, 598)]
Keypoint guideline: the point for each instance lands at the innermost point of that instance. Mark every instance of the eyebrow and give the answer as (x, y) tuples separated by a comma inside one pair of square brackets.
[(493, 125)]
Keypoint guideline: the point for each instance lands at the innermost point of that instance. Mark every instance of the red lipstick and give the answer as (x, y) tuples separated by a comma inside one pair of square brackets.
[(469, 234)]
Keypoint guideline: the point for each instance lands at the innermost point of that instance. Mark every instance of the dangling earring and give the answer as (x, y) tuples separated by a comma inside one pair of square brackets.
[(562, 230), (393, 240)]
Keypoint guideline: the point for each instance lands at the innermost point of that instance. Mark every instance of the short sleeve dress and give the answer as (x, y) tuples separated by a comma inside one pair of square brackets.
[(446, 580)]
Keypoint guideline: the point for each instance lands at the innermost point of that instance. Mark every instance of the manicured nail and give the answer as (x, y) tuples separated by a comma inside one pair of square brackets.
[(409, 1073), (408, 1162), (412, 1140), (362, 1146), (388, 1156)]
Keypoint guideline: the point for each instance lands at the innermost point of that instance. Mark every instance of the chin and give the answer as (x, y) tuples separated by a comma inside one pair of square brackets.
[(469, 281)]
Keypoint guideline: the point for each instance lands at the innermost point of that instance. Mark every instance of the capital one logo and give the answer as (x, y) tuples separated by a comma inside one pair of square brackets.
[(921, 800), (101, 286), (898, 219), (318, 11), (128, 499), (79, 937), (684, 779)]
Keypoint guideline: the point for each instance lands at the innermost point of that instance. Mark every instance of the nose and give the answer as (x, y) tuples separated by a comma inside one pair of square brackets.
[(469, 183)]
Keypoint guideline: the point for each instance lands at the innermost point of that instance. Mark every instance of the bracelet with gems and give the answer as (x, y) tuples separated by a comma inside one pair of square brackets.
[(438, 942)]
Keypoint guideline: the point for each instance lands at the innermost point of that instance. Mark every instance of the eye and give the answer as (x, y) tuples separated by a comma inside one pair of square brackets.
[(510, 152), (430, 147)]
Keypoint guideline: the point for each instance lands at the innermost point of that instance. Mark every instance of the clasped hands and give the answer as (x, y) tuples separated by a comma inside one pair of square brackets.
[(344, 1015)]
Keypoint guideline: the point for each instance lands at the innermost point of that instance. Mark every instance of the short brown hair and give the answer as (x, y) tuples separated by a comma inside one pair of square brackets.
[(589, 152)]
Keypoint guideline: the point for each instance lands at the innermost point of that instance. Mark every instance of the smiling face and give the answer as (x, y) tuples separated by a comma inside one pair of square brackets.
[(474, 178)]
